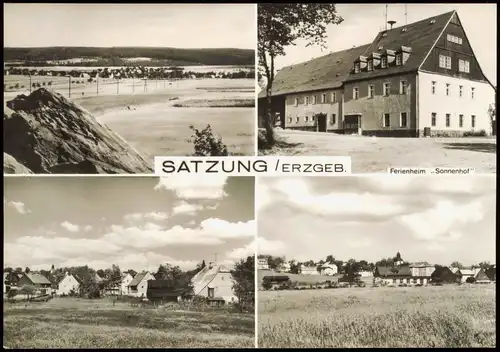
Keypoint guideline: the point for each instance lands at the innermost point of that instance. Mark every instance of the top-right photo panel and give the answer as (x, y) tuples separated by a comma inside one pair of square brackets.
[(390, 85)]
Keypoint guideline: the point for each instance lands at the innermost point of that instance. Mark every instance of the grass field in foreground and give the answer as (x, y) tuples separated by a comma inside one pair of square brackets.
[(75, 323), (444, 316), (377, 154)]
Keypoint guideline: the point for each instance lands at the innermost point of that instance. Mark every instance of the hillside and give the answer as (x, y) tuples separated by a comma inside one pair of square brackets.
[(114, 55), (46, 133)]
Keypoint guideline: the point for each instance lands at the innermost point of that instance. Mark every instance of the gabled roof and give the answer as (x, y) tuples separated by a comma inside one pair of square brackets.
[(37, 279), (467, 272), (325, 72), (419, 36), (206, 275), (138, 278)]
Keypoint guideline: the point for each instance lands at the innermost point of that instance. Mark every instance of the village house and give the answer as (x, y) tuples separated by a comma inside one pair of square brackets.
[(262, 264), (328, 269), (69, 283), (444, 275), (420, 79), (138, 287), (38, 281), (365, 273), (284, 267), (464, 274), (480, 276), (125, 283), (309, 270), (215, 282), (161, 291)]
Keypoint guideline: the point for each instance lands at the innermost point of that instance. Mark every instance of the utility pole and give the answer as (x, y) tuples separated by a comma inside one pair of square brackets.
[(69, 86), (97, 80), (30, 81), (406, 14), (145, 84), (386, 9), (117, 85), (133, 84)]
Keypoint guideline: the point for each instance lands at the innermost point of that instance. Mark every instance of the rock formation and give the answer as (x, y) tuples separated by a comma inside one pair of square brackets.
[(48, 133)]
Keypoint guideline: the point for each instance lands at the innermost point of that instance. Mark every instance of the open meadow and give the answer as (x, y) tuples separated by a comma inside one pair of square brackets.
[(81, 323), (377, 154), (154, 116), (442, 316)]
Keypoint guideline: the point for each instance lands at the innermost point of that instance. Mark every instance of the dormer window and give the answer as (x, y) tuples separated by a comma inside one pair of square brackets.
[(383, 62), (356, 67), (398, 59), (370, 65)]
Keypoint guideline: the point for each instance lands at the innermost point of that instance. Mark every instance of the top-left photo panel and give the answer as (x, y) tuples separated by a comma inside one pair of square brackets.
[(104, 88)]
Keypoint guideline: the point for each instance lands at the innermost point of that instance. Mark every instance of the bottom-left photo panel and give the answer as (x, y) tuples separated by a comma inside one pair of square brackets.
[(129, 262)]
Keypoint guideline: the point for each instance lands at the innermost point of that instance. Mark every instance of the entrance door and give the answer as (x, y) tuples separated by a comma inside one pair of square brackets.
[(321, 121), (352, 124), (211, 292)]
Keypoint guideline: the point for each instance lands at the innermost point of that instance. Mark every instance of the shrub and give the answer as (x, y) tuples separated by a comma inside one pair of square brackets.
[(17, 85), (23, 86), (44, 83), (481, 133), (38, 85), (50, 83), (206, 144), (266, 284)]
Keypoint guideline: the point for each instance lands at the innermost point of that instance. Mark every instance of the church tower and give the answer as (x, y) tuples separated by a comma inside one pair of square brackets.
[(398, 260)]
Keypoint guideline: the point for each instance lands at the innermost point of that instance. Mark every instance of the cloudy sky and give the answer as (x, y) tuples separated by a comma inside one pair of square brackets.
[(135, 222), (362, 22), (107, 25), (434, 219)]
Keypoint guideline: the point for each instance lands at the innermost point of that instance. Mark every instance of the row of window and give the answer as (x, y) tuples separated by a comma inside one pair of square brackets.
[(333, 119), (383, 63), (403, 120), (454, 39), (333, 99), (445, 62), (448, 90), (448, 120), (386, 90)]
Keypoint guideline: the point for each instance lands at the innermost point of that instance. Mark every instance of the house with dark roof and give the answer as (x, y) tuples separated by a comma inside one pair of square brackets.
[(37, 280), (138, 287), (215, 282), (409, 274), (491, 272), (69, 283), (162, 291), (420, 79), (444, 275)]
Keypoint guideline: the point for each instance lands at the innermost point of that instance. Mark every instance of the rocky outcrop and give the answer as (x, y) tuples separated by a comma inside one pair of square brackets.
[(48, 133), (12, 166)]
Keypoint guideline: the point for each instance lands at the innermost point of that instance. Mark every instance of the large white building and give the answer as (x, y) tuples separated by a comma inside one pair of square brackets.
[(214, 281), (67, 284), (420, 79)]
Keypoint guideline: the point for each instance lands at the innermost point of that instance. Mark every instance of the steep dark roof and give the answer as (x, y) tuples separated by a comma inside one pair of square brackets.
[(443, 274), (388, 271), (324, 72), (419, 36), (276, 278), (37, 279), (491, 273), (138, 278)]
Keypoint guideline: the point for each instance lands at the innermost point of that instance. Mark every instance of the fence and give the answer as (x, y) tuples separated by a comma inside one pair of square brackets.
[(77, 87)]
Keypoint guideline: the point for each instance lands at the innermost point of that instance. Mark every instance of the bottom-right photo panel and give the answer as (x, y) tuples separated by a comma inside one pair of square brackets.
[(376, 261)]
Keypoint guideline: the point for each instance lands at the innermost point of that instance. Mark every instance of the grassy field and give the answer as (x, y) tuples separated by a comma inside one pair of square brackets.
[(376, 154), (78, 323), (444, 316)]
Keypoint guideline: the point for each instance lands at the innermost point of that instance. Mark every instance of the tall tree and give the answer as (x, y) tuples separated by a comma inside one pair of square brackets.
[(175, 278), (279, 26), (27, 270), (457, 264), (244, 283)]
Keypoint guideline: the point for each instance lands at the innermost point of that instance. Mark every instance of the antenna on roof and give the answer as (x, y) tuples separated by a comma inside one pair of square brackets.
[(391, 23), (385, 19)]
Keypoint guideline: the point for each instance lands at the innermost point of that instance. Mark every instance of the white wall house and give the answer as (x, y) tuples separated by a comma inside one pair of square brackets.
[(214, 281), (454, 104), (67, 284), (329, 269), (138, 287), (124, 285)]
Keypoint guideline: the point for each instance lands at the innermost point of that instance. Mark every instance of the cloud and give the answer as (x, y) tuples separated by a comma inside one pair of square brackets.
[(359, 243), (259, 245), (70, 227), (20, 207), (121, 241), (186, 208), (87, 228), (196, 186), (138, 217), (438, 221)]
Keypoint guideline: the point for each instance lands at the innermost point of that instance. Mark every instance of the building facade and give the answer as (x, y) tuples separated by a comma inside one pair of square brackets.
[(138, 287), (214, 281), (68, 284), (125, 283), (422, 79)]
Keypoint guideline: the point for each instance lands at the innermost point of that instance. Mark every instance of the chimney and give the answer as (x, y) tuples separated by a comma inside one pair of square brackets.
[(391, 23)]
